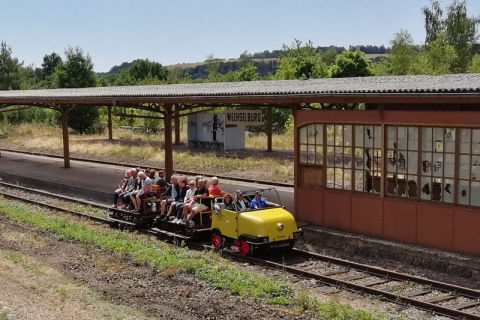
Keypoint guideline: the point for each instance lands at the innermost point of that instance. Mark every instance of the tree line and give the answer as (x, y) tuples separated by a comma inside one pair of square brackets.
[(451, 46)]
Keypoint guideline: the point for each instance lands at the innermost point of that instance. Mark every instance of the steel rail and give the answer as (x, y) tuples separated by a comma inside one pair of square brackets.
[(467, 292), (190, 173), (370, 270), (426, 306)]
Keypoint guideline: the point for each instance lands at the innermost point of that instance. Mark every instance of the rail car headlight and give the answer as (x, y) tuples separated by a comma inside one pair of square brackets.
[(280, 226)]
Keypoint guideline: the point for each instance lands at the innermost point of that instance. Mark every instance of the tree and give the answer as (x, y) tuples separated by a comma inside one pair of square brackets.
[(212, 68), (402, 55), (301, 62), (10, 69), (77, 72), (474, 66), (460, 31), (437, 58), (248, 73), (146, 69), (50, 63), (178, 75), (124, 79), (352, 64)]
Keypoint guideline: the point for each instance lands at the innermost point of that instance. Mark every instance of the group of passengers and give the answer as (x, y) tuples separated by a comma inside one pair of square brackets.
[(183, 199)]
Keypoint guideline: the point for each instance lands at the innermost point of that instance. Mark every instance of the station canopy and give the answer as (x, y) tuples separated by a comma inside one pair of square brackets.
[(398, 89)]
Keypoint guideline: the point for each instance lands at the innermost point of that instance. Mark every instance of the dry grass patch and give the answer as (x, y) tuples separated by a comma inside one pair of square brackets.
[(31, 239), (170, 272), (104, 262), (47, 139), (27, 294)]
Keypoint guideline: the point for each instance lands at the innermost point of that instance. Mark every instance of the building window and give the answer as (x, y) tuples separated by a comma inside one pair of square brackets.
[(339, 156), (438, 164), (311, 155), (402, 162), (469, 170), (368, 156)]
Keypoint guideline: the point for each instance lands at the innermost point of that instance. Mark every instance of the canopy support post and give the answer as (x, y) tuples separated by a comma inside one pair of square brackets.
[(269, 129), (66, 147), (110, 134), (177, 130), (168, 141)]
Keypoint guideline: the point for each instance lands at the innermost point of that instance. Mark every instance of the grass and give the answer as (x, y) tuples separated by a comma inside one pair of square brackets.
[(49, 139), (171, 260)]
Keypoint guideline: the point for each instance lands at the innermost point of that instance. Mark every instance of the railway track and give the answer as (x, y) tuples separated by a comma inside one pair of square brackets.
[(188, 173), (428, 295)]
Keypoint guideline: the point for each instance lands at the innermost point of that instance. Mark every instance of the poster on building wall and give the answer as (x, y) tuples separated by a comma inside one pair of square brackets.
[(244, 117)]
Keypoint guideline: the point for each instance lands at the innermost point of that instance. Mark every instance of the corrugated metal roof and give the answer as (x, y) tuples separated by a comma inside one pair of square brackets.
[(453, 83)]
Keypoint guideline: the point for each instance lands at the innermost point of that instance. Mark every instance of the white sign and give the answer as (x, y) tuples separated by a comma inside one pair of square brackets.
[(244, 117)]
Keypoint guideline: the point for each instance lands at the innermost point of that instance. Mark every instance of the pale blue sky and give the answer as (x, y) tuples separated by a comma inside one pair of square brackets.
[(114, 31)]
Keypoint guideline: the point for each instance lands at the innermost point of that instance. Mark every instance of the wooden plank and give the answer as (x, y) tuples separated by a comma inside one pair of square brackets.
[(374, 282), (440, 298), (353, 278), (416, 293), (335, 272), (466, 305)]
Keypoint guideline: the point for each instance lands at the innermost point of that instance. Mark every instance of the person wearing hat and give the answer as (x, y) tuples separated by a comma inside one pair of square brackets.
[(241, 204), (260, 203)]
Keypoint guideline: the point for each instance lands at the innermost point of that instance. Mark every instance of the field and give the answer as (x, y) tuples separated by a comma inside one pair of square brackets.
[(28, 137)]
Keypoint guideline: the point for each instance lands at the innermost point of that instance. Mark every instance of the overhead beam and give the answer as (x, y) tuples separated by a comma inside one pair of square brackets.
[(12, 110), (192, 112)]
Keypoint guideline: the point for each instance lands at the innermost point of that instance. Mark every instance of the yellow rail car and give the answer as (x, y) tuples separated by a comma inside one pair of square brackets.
[(260, 223)]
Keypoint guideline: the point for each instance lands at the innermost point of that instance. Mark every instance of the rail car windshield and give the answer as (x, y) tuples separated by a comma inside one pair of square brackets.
[(258, 199)]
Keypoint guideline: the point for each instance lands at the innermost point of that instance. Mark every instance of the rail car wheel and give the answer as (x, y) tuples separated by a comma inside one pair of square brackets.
[(217, 239), (244, 247)]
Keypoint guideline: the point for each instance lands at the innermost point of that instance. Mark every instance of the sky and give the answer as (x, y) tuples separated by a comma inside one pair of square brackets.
[(178, 31)]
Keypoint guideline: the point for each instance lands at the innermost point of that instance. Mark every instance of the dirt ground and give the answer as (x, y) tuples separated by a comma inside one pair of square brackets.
[(44, 278)]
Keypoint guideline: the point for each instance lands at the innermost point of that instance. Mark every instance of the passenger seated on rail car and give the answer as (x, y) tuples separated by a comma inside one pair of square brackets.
[(259, 202), (227, 202), (178, 208), (173, 195), (194, 206), (129, 188), (214, 190), (146, 187), (183, 192), (241, 204), (160, 181), (120, 190)]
